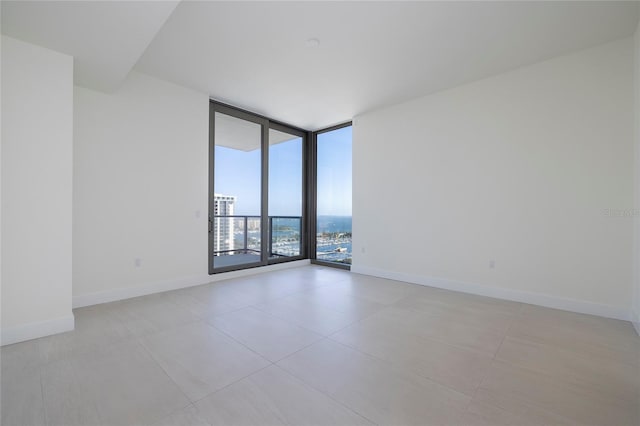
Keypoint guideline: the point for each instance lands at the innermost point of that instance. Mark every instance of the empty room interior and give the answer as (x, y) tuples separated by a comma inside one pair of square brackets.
[(320, 213)]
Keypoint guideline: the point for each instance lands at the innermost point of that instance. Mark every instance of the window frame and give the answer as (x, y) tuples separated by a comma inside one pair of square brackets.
[(313, 199), (266, 124)]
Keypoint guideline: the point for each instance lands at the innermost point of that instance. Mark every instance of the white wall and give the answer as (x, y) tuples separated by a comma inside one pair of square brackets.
[(636, 255), (37, 136), (519, 169), (140, 189)]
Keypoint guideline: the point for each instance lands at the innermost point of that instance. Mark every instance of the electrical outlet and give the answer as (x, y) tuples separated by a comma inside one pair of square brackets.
[(137, 262), (492, 264)]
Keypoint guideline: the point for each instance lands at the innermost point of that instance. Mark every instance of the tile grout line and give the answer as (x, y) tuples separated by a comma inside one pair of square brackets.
[(475, 352), (591, 385), (528, 402), (297, 292), (324, 308), (93, 402), (237, 341), (493, 358), (325, 394), (320, 337), (271, 364), (150, 355), (320, 390), (197, 414), (192, 402), (256, 306), (574, 352), (331, 337), (289, 322), (208, 317), (355, 323), (435, 339), (301, 349), (44, 404), (192, 406), (395, 367)]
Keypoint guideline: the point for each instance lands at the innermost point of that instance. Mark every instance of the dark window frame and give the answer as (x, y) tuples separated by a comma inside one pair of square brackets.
[(266, 124), (313, 199)]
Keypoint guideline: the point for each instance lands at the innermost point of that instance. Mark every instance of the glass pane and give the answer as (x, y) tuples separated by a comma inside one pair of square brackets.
[(285, 194), (237, 191), (333, 232)]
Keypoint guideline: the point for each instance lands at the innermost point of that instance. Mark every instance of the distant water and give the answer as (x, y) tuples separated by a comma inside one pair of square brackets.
[(286, 233), (334, 224), (291, 227)]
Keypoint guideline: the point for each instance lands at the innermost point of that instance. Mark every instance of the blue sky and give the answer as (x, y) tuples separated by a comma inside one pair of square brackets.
[(238, 173), (334, 172)]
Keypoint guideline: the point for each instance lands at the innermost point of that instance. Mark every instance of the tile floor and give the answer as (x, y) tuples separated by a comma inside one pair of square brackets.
[(319, 346)]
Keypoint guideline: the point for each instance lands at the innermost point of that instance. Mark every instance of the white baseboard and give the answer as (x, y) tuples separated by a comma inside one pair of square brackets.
[(573, 305), (635, 320), (34, 330), (122, 293)]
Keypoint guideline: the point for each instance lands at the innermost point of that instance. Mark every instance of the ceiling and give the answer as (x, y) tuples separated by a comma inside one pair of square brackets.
[(256, 55), (244, 135), (106, 38)]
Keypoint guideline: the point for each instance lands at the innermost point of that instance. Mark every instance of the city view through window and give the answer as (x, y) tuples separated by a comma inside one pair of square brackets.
[(237, 225), (237, 192), (333, 230)]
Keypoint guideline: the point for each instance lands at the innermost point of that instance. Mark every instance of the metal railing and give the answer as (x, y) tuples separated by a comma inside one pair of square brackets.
[(284, 235)]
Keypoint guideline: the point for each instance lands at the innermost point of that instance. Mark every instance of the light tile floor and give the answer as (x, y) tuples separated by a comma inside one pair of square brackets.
[(320, 346)]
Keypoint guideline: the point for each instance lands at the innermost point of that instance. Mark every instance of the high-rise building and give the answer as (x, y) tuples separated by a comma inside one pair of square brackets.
[(223, 227)]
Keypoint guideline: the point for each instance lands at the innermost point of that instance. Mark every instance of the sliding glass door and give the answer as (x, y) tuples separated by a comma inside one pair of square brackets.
[(286, 194), (333, 195), (256, 191), (236, 198)]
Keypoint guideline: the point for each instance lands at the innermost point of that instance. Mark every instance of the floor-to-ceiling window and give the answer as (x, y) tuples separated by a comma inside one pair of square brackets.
[(286, 193), (237, 191), (333, 195), (257, 190)]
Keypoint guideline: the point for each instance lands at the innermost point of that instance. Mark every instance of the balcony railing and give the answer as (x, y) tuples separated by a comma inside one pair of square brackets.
[(239, 234)]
